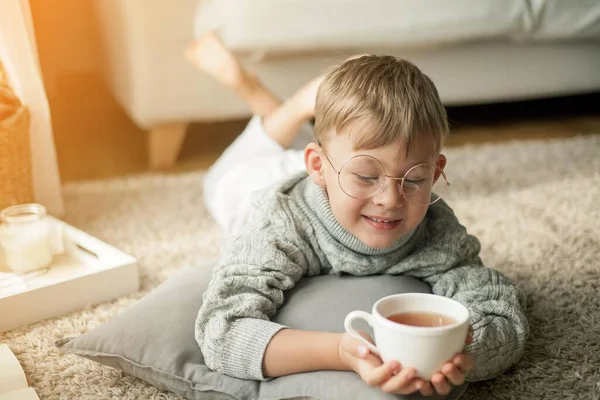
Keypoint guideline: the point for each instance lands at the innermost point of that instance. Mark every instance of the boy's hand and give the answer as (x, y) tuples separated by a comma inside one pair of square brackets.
[(389, 377), (454, 371)]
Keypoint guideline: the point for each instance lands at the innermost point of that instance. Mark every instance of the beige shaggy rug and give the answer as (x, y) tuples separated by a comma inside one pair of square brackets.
[(534, 206)]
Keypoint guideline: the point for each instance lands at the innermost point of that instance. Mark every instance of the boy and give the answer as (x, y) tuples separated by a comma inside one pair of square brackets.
[(363, 205)]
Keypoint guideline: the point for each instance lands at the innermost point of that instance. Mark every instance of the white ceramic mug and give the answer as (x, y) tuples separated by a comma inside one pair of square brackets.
[(424, 348)]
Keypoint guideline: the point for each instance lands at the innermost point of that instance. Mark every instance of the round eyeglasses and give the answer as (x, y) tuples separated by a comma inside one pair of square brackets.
[(363, 176)]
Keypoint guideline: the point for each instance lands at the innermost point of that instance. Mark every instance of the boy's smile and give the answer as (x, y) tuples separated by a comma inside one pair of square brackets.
[(383, 218), (382, 223)]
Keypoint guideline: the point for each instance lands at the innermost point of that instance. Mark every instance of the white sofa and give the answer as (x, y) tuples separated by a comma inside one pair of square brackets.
[(476, 51)]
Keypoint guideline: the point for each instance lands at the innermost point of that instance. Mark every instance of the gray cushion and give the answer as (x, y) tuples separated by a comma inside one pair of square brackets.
[(154, 339)]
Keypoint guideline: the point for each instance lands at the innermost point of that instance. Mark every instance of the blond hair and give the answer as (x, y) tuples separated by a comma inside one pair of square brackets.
[(390, 97)]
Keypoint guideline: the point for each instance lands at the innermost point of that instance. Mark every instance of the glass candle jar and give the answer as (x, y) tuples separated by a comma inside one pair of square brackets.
[(26, 236)]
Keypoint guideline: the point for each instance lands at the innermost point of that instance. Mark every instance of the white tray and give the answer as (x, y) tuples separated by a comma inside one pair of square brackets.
[(89, 272)]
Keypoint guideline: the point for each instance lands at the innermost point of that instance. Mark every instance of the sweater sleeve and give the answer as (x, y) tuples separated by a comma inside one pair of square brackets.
[(449, 261), (247, 287)]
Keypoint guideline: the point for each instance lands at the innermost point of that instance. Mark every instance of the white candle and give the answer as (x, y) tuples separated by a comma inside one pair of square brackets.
[(25, 237)]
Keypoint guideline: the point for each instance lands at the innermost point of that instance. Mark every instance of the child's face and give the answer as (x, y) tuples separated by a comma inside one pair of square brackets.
[(359, 216)]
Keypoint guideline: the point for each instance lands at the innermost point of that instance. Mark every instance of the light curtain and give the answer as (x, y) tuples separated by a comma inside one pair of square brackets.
[(18, 52)]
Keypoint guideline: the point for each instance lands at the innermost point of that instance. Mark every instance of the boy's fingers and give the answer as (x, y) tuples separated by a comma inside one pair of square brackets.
[(411, 387), (453, 374), (469, 339), (427, 389), (400, 382), (362, 351), (464, 362), (355, 347), (366, 366), (414, 386), (382, 373), (440, 383), (373, 360)]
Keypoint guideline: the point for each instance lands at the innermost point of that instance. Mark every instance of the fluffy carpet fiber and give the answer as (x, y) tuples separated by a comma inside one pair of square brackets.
[(534, 206)]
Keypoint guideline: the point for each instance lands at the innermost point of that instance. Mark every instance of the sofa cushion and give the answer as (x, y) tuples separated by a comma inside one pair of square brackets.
[(276, 26), (559, 19), (154, 339)]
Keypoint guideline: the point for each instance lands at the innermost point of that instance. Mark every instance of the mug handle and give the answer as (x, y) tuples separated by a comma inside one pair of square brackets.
[(350, 318)]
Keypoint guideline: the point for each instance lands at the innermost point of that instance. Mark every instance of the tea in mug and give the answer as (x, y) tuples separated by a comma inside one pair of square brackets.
[(422, 319)]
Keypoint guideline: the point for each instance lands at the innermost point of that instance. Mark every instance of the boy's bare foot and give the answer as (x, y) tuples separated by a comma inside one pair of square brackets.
[(209, 54), (305, 98), (284, 123)]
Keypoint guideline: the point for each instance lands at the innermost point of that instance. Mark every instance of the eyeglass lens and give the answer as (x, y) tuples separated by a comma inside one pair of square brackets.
[(364, 176)]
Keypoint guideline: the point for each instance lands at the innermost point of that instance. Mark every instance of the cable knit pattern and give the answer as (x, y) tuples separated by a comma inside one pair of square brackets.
[(292, 233)]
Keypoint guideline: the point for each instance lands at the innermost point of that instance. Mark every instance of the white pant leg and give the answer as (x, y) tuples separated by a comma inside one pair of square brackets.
[(252, 143), (252, 162)]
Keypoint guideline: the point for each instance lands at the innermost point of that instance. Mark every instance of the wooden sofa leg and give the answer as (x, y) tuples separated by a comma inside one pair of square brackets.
[(164, 144)]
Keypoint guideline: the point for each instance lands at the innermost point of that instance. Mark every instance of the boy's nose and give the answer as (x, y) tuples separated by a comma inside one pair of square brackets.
[(390, 195)]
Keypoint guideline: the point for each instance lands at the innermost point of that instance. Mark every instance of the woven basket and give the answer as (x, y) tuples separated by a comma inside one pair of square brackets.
[(16, 181)]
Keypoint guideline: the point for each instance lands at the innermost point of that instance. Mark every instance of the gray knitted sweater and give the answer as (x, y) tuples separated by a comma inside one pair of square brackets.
[(292, 233)]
